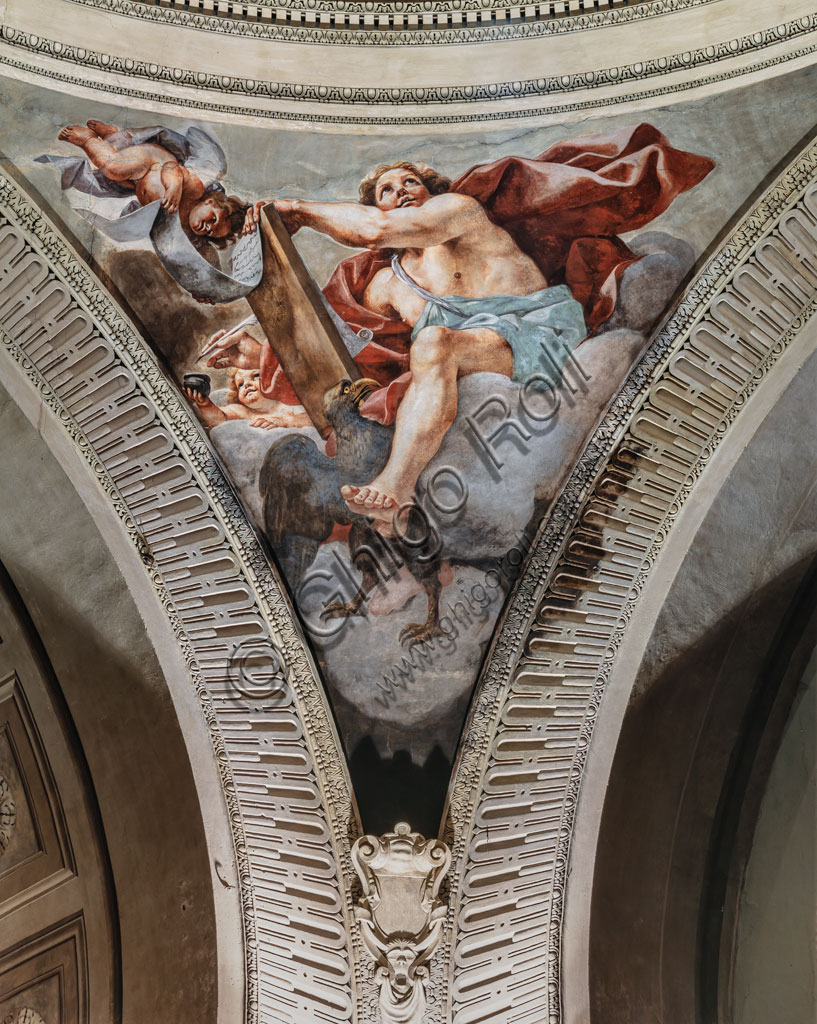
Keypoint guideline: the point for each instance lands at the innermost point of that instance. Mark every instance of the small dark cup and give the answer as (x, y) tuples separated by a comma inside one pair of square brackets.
[(198, 382)]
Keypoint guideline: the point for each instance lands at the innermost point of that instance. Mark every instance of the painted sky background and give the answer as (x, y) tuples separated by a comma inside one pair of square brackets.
[(747, 131)]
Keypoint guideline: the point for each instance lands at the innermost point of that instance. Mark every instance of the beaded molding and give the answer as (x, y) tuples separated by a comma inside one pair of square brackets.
[(409, 96), (114, 87)]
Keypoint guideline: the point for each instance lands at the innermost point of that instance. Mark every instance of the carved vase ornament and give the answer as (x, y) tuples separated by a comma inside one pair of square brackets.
[(400, 915)]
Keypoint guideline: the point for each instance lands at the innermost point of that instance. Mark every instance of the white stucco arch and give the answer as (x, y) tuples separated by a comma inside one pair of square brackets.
[(717, 498), (332, 978)]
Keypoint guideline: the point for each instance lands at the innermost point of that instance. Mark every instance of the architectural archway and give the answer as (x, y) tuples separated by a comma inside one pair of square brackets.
[(574, 698), (144, 823)]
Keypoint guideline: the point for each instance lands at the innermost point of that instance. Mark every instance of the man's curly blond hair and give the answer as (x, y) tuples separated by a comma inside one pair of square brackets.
[(433, 181)]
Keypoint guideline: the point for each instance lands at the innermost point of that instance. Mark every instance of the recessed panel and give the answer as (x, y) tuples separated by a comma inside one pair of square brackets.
[(34, 851), (19, 838), (42, 981)]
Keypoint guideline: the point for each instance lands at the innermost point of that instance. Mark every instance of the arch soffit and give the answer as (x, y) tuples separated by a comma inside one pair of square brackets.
[(69, 348), (550, 658), (761, 582)]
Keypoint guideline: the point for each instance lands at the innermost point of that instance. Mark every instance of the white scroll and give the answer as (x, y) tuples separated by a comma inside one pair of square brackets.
[(182, 260)]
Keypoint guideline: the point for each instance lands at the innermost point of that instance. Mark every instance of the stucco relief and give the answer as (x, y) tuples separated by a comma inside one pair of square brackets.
[(798, 33), (400, 916), (763, 49), (401, 23), (24, 1016), (8, 815)]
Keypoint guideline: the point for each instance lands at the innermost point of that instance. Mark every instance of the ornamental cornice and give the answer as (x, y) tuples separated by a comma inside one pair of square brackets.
[(117, 66), (410, 23), (309, 117)]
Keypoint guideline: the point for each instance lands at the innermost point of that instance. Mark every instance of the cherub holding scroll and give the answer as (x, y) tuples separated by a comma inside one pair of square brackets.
[(157, 164)]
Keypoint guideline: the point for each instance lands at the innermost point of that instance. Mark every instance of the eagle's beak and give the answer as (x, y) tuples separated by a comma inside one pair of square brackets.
[(361, 389)]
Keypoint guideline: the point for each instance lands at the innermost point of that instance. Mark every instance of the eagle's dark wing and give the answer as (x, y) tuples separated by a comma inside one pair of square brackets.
[(364, 451), (299, 487)]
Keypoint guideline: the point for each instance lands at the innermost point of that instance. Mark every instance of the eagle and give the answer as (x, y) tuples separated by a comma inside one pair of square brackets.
[(300, 486)]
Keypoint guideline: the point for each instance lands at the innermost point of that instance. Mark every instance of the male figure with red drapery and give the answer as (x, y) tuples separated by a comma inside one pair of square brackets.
[(556, 219)]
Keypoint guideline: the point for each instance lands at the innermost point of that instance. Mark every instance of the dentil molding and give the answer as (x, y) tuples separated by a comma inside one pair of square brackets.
[(791, 32), (397, 23)]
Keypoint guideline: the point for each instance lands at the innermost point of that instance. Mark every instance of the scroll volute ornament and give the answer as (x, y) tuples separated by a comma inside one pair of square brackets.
[(400, 915)]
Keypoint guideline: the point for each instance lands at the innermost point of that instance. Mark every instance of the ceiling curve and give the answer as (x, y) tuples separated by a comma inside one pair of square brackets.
[(677, 160), (395, 22)]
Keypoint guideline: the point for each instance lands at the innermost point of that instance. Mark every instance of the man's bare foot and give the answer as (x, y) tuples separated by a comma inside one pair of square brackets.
[(375, 495), (373, 502), (76, 134), (102, 128)]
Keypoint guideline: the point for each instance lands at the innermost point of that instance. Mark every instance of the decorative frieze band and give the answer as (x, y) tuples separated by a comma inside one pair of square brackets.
[(517, 783), (411, 95), (113, 85), (409, 23), (282, 773)]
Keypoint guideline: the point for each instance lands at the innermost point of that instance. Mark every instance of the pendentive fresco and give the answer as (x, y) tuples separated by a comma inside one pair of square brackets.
[(399, 346)]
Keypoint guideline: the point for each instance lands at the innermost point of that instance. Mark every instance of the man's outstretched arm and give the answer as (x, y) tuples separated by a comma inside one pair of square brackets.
[(438, 220)]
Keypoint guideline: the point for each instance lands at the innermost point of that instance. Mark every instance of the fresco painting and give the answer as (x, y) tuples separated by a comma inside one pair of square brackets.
[(475, 319)]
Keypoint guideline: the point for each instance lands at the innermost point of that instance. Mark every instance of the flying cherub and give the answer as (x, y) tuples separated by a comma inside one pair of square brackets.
[(157, 164)]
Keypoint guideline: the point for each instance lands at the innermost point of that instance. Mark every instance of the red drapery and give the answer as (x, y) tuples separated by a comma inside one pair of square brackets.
[(564, 208)]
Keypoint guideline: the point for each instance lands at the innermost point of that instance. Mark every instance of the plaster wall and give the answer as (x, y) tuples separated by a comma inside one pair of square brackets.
[(777, 928), (706, 624)]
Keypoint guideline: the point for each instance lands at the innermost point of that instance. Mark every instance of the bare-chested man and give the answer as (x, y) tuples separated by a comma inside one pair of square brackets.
[(475, 301)]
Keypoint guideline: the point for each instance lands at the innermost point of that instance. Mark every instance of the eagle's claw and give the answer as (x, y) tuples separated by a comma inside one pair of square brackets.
[(420, 633), (341, 610)]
